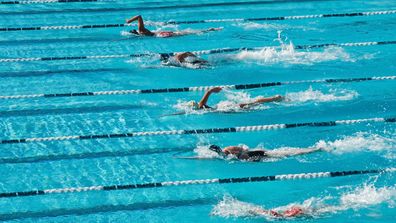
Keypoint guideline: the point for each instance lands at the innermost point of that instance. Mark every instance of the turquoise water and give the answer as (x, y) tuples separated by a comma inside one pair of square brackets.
[(62, 164)]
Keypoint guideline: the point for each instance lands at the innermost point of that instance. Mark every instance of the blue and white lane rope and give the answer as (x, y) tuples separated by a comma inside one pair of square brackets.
[(201, 52), (194, 89), (298, 17), (197, 131), (49, 1), (281, 177)]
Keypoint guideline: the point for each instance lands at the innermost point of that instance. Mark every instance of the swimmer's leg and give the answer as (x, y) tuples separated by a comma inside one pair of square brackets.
[(292, 152), (262, 100)]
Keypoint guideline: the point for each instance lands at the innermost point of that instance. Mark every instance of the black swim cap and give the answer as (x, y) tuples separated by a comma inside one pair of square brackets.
[(216, 149)]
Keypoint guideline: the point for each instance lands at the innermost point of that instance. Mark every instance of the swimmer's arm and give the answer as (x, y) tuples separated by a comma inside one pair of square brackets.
[(205, 98), (140, 22)]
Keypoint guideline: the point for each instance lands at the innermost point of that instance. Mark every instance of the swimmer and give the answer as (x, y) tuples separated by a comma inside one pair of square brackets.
[(257, 155), (185, 59), (294, 211), (202, 104), (143, 31)]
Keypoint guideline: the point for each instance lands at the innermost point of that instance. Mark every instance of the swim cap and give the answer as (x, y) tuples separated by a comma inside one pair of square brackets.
[(216, 148), (193, 104)]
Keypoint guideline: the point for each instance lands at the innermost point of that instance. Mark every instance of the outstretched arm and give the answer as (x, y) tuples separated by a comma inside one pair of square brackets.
[(262, 100), (140, 22), (205, 98)]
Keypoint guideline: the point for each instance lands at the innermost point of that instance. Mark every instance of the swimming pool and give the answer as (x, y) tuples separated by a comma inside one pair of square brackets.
[(103, 161)]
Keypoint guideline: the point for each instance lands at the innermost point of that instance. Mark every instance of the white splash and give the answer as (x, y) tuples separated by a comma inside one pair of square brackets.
[(361, 197), (270, 26), (360, 141), (231, 207), (204, 152), (287, 54), (311, 95), (365, 196)]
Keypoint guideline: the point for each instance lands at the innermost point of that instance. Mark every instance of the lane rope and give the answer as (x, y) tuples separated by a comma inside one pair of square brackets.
[(50, 1), (196, 131), (299, 176), (194, 89), (200, 52), (297, 17)]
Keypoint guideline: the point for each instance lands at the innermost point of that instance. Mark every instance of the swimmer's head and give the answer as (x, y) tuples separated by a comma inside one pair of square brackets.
[(164, 57), (193, 105), (217, 149), (134, 32)]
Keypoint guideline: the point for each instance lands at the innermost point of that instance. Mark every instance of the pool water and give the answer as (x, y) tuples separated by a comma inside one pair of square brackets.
[(79, 163)]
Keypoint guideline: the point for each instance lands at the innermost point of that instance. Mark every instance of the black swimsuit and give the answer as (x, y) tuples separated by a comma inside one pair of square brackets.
[(255, 155)]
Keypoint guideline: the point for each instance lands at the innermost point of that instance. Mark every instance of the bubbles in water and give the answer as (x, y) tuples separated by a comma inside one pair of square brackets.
[(286, 54), (318, 96), (360, 141), (231, 207), (270, 26), (205, 152)]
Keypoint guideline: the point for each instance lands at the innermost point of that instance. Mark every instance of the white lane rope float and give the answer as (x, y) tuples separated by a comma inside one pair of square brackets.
[(198, 131), (195, 89), (296, 17), (163, 56), (281, 177), (50, 1)]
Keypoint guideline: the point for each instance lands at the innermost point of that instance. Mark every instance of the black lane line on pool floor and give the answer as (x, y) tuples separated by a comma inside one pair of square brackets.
[(254, 179), (196, 131), (53, 72), (91, 155), (141, 206), (95, 26)]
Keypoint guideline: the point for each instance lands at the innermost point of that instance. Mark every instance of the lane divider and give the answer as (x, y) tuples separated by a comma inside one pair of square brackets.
[(193, 89), (200, 52), (297, 17), (49, 1), (300, 176), (197, 131)]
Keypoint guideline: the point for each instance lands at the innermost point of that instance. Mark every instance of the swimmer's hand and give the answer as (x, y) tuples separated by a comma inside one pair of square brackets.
[(279, 98), (215, 90), (215, 29)]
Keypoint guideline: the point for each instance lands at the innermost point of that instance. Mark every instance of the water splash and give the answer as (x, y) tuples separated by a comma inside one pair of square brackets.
[(270, 26), (311, 95), (360, 141), (358, 198), (287, 54)]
